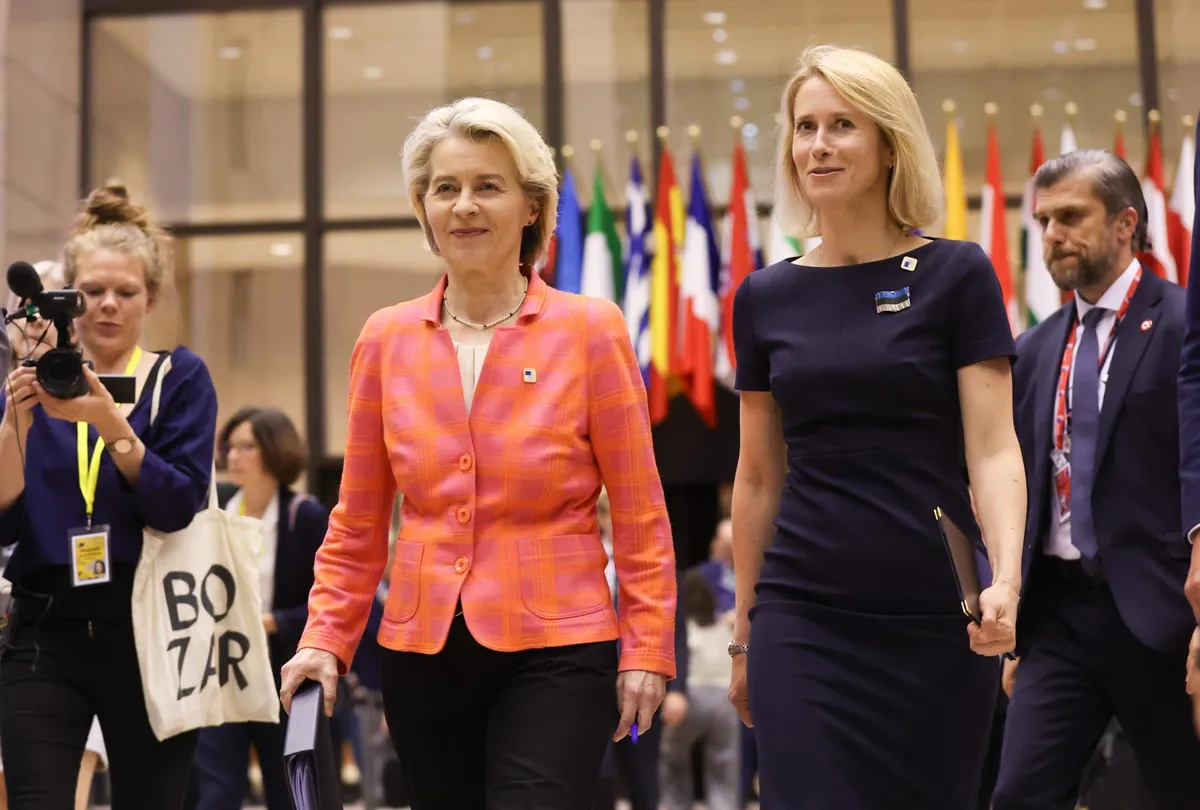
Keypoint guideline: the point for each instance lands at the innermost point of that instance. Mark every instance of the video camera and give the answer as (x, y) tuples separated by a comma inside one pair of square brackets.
[(60, 370)]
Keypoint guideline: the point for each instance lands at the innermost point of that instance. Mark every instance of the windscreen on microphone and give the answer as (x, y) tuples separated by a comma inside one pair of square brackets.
[(23, 280)]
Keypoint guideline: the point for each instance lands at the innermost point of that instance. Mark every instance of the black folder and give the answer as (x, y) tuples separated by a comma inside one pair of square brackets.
[(961, 553), (308, 754)]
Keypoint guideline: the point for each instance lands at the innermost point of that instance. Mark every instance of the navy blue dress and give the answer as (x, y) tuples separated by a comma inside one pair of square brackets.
[(864, 691)]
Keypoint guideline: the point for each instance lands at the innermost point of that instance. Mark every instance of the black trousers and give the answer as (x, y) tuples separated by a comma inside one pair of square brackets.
[(477, 729), (56, 674)]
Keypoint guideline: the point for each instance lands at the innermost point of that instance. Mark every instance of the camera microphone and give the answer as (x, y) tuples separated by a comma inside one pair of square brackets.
[(24, 281)]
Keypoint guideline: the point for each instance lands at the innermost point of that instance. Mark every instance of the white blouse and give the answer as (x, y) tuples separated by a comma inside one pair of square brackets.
[(470, 366)]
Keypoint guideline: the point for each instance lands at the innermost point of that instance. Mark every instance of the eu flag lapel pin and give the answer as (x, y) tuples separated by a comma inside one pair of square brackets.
[(908, 263), (892, 300), (529, 375)]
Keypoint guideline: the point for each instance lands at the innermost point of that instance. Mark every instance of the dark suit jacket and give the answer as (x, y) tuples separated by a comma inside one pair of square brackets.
[(1135, 499), (295, 553), (1189, 386)]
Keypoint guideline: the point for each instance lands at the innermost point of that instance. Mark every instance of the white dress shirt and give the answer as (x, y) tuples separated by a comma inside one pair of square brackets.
[(266, 560), (1058, 543)]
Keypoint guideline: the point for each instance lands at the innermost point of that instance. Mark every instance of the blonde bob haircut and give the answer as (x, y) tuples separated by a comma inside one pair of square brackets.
[(877, 89), (481, 120)]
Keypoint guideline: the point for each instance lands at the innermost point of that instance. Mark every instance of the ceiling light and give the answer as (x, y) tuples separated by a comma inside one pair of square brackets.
[(231, 52), (1095, 5), (725, 57), (372, 72), (715, 17), (1135, 99), (464, 18), (1060, 46), (741, 103), (484, 52), (749, 130), (736, 86), (341, 32), (1052, 94), (720, 35), (960, 46), (282, 250), (1085, 44)]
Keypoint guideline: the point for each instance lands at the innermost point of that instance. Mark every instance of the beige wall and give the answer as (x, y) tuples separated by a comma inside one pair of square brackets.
[(39, 96)]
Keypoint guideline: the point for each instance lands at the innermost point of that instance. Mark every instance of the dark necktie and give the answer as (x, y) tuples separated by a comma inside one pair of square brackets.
[(1085, 420)]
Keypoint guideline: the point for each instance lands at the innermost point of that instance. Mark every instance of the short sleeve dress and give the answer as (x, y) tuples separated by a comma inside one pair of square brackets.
[(864, 691)]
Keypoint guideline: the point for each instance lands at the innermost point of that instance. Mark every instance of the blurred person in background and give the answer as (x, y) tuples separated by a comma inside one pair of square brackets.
[(264, 456), (710, 722), (68, 650), (875, 374), (499, 407)]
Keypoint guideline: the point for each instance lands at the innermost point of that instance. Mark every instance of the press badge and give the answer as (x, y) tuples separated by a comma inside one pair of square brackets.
[(1062, 484), (89, 555)]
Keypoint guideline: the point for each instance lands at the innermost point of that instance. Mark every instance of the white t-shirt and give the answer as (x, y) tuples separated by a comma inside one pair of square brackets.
[(266, 560)]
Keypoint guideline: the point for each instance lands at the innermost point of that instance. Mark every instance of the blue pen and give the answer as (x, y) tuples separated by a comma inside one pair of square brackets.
[(633, 730)]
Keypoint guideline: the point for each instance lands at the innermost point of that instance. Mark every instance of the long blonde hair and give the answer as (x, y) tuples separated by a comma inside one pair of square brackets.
[(879, 90)]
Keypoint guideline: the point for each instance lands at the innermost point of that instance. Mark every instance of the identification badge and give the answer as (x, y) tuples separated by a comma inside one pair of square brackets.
[(1062, 484), (89, 555)]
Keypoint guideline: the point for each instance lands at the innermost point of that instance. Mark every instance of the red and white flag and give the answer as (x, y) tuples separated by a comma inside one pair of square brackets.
[(1181, 213), (1158, 258)]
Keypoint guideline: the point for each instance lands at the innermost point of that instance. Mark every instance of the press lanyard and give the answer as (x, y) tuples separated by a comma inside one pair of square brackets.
[(89, 473), (1061, 413)]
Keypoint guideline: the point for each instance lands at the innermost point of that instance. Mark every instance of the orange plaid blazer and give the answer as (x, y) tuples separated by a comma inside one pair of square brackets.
[(499, 507)]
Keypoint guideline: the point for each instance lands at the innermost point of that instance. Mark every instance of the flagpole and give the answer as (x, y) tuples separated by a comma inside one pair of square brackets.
[(631, 138), (1120, 117), (736, 122), (1035, 116)]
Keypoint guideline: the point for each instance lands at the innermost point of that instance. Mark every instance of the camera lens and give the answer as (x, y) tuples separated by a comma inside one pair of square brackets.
[(60, 373)]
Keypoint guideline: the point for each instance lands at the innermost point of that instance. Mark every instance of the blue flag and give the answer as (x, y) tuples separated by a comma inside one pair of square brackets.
[(568, 275)]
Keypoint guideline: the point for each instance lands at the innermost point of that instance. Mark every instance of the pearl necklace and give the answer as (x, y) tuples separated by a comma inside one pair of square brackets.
[(485, 326)]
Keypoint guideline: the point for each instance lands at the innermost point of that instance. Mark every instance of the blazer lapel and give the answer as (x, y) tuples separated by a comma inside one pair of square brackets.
[(1131, 344)]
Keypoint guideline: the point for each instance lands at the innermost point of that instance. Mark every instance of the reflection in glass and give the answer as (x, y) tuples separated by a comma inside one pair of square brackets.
[(365, 272), (387, 65), (200, 114), (1017, 53), (607, 86), (241, 309), (735, 62)]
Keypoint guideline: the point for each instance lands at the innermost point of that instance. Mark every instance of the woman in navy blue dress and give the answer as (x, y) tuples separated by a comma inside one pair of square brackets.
[(875, 375)]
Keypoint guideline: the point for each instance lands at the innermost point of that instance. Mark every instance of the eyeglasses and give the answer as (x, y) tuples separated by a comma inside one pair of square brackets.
[(241, 447)]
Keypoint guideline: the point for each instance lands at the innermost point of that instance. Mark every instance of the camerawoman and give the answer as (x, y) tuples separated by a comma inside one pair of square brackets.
[(82, 477)]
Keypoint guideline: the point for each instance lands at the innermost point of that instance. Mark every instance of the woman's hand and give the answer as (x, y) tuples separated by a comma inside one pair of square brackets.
[(310, 665), (32, 340), (996, 634), (94, 407), (739, 695), (639, 695), (20, 395)]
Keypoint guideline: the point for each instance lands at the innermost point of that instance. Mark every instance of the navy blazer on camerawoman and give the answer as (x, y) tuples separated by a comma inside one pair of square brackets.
[(1135, 499)]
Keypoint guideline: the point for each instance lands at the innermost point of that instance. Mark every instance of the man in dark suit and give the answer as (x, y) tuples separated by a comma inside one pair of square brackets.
[(1189, 436), (1104, 626)]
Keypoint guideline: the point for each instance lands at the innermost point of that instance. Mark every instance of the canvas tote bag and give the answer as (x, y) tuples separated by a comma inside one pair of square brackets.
[(197, 620)]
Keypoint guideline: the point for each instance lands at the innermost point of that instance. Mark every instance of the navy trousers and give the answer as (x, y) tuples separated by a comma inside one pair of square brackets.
[(1082, 667), (222, 756)]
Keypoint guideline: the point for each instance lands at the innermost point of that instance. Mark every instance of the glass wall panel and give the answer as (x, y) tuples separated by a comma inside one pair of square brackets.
[(365, 272), (728, 59), (240, 307), (200, 114), (386, 66), (1017, 53), (1178, 30), (606, 56)]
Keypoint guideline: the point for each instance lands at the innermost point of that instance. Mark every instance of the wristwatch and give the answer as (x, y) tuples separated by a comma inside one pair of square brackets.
[(738, 649), (121, 446)]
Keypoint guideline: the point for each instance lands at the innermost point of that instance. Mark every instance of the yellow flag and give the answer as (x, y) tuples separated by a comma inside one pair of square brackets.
[(956, 190)]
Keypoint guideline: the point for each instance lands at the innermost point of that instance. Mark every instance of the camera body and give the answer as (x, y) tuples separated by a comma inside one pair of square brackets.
[(60, 370)]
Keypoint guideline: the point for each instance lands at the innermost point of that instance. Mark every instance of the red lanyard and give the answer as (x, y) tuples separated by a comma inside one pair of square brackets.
[(1064, 373)]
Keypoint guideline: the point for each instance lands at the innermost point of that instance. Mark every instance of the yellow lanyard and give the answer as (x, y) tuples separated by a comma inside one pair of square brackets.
[(89, 474)]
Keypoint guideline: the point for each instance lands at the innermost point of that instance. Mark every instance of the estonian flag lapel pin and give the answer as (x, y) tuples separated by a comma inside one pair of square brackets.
[(892, 300)]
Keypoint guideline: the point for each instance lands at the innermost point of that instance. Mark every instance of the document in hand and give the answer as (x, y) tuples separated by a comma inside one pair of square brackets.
[(961, 552), (308, 752)]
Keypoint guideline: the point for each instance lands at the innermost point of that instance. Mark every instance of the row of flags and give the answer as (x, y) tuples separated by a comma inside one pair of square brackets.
[(1169, 218), (675, 279)]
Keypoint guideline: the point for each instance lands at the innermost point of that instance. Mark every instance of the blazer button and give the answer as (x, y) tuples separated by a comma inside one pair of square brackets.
[(464, 462), (463, 514), (460, 565)]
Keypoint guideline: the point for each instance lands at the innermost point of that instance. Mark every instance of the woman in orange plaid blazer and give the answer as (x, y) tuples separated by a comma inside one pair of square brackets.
[(498, 406)]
